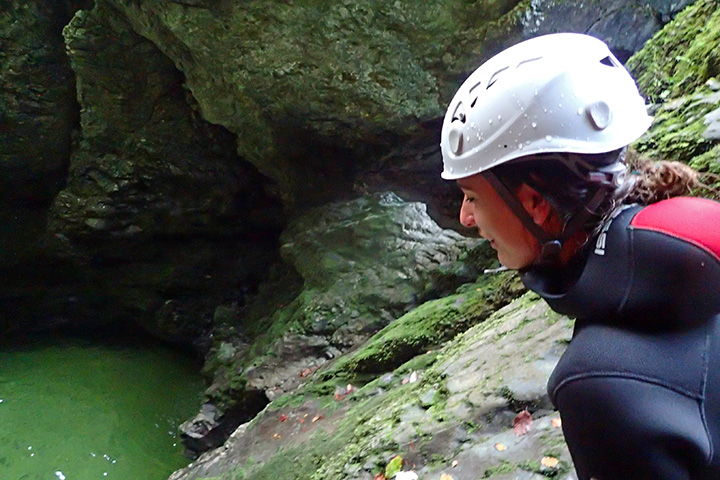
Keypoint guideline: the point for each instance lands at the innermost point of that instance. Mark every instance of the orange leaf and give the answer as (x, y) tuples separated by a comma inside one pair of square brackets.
[(556, 422), (317, 417), (550, 462), (500, 447), (379, 476), (454, 463), (283, 417), (522, 423), (445, 476)]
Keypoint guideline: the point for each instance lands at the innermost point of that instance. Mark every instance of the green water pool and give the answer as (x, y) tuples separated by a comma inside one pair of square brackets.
[(79, 410)]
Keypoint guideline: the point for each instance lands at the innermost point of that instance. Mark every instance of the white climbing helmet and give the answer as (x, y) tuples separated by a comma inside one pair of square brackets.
[(564, 92)]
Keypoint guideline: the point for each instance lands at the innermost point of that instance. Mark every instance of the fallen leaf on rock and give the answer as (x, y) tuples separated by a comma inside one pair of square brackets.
[(306, 372), (276, 435), (522, 423), (455, 463), (379, 476), (394, 467), (317, 417), (550, 462), (283, 417), (500, 447), (413, 377), (556, 422), (339, 393), (349, 389), (445, 476)]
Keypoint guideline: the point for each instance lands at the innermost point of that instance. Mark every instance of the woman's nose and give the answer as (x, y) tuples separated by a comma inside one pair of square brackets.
[(467, 218)]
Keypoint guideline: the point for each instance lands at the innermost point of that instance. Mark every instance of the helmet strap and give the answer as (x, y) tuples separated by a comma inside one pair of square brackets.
[(550, 247)]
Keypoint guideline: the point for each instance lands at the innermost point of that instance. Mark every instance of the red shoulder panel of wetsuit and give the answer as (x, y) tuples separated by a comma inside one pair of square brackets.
[(694, 220)]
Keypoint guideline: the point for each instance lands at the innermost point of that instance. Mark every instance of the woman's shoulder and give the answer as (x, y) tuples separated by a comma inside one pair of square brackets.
[(690, 219)]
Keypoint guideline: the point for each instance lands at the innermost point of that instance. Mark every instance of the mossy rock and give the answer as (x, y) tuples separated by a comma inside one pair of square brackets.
[(683, 56)]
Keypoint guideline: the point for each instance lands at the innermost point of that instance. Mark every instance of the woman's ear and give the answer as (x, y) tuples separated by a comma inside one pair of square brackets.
[(535, 204)]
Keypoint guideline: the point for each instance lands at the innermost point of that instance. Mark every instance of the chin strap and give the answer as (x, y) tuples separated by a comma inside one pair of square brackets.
[(550, 247)]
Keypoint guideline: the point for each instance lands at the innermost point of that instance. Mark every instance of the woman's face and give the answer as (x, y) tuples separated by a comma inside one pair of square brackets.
[(483, 208)]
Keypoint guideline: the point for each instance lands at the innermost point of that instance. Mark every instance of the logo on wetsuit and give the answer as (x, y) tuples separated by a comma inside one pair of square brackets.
[(602, 238)]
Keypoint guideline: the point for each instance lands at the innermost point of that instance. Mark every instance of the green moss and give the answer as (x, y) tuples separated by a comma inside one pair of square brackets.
[(502, 468), (708, 164), (677, 131), (682, 56), (425, 327)]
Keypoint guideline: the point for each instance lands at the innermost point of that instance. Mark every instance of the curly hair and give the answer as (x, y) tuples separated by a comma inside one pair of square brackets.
[(660, 180)]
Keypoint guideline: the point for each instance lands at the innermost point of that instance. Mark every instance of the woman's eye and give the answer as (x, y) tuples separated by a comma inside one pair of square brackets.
[(469, 199)]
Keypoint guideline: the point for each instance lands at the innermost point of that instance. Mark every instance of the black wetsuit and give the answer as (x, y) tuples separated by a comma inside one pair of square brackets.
[(638, 388)]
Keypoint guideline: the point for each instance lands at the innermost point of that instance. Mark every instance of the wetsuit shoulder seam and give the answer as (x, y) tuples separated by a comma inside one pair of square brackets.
[(696, 243), (626, 376)]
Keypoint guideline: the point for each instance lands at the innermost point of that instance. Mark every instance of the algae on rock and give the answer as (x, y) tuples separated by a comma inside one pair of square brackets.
[(461, 404), (679, 70)]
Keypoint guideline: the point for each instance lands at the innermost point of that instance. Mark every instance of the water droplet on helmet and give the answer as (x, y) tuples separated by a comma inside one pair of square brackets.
[(499, 117), (534, 124), (548, 138), (490, 121), (559, 105), (580, 111), (536, 93), (520, 146)]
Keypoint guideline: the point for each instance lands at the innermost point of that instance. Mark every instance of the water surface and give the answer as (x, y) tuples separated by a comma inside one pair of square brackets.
[(75, 410)]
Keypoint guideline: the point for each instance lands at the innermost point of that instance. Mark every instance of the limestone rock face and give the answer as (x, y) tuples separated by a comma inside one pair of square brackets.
[(147, 164), (38, 110), (363, 264), (625, 26), (678, 71), (202, 121), (449, 411), (360, 265)]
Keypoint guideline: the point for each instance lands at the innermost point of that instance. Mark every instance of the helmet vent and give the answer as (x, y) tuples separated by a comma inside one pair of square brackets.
[(528, 61), (495, 77), (609, 61), (459, 114)]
